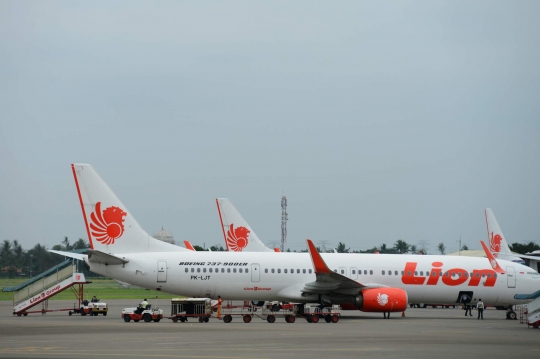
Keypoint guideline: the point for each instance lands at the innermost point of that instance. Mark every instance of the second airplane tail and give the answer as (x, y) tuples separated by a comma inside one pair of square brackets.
[(238, 235)]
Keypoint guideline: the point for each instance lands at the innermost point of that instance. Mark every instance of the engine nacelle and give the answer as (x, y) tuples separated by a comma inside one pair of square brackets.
[(382, 300)]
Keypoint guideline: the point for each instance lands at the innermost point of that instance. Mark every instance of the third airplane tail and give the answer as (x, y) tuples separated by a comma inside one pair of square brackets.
[(497, 243)]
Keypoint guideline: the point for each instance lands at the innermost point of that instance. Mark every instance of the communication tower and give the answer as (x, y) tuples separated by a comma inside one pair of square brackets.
[(284, 219)]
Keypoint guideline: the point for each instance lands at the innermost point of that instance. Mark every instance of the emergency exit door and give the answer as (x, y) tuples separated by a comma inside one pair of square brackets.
[(511, 274), (255, 272), (161, 271)]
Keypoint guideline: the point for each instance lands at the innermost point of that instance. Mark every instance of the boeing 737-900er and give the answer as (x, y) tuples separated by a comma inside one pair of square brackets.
[(122, 250)]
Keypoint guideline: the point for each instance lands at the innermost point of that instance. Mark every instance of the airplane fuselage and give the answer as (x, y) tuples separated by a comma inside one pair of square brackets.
[(271, 276)]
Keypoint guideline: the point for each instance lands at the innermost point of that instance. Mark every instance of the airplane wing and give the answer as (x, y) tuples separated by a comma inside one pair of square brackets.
[(328, 281)]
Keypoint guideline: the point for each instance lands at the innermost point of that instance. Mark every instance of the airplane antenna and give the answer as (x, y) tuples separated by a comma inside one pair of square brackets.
[(284, 219)]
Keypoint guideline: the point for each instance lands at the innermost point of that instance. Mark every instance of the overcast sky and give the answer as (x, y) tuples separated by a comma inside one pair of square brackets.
[(379, 120)]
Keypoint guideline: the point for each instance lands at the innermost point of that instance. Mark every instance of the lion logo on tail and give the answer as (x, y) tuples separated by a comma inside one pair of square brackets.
[(495, 244), (107, 226), (237, 238)]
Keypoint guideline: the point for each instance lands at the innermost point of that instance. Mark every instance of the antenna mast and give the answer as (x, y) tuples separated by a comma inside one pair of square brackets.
[(284, 219)]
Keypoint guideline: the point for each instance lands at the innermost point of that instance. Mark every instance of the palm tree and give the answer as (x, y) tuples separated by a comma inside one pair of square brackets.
[(401, 246), (80, 244), (341, 248), (441, 247)]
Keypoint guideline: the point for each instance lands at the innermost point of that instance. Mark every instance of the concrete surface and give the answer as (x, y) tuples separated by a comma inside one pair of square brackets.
[(423, 333)]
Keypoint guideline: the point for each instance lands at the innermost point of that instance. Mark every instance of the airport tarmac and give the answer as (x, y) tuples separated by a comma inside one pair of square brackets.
[(423, 333)]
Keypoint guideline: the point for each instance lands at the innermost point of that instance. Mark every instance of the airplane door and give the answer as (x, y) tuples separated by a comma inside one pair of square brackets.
[(255, 272), (511, 274), (354, 273), (161, 271)]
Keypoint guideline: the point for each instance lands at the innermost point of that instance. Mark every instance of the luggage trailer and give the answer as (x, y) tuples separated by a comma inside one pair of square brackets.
[(203, 310)]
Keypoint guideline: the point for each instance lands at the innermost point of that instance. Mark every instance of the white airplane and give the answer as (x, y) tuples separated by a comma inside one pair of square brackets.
[(499, 246), (372, 283)]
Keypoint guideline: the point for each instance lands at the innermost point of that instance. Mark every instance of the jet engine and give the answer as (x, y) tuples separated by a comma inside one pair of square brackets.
[(382, 300)]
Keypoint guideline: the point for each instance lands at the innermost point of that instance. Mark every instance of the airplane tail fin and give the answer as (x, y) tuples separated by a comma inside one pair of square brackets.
[(497, 243), (238, 235), (111, 228)]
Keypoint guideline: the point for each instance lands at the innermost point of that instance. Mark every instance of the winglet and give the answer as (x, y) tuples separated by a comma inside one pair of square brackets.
[(189, 246), (277, 250), (494, 264), (318, 263)]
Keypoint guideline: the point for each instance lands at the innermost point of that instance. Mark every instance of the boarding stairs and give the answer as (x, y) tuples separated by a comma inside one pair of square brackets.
[(46, 285)]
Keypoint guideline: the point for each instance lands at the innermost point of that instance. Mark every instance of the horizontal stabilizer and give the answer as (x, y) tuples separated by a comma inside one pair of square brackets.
[(104, 258), (78, 256)]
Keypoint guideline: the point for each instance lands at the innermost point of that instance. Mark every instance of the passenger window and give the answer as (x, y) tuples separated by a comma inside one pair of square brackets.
[(210, 270), (371, 272), (459, 274), (198, 270), (422, 272), (298, 271), (204, 270), (335, 270), (234, 270), (342, 271), (187, 270), (383, 272), (489, 275), (353, 271), (389, 272), (192, 270), (240, 270), (273, 271), (310, 271), (217, 270), (222, 270), (403, 272), (265, 270), (285, 270), (415, 272), (247, 270), (279, 270), (292, 271), (304, 271), (446, 274), (409, 273), (495, 275), (427, 274), (228, 270), (466, 274), (483, 275), (396, 272), (365, 271)]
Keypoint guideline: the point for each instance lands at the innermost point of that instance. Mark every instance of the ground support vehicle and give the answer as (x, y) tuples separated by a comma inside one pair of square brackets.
[(313, 312), (92, 309), (148, 315), (197, 308)]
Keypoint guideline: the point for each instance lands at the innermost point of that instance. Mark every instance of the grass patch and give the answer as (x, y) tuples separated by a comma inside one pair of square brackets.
[(104, 289)]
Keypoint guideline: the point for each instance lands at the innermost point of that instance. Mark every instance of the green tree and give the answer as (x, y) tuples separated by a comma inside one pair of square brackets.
[(342, 248), (80, 244), (6, 256), (401, 246), (464, 248), (441, 247), (414, 249), (516, 247), (217, 248), (198, 248)]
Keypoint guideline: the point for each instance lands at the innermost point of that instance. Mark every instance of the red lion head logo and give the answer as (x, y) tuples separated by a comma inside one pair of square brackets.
[(107, 226), (237, 239), (495, 243)]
